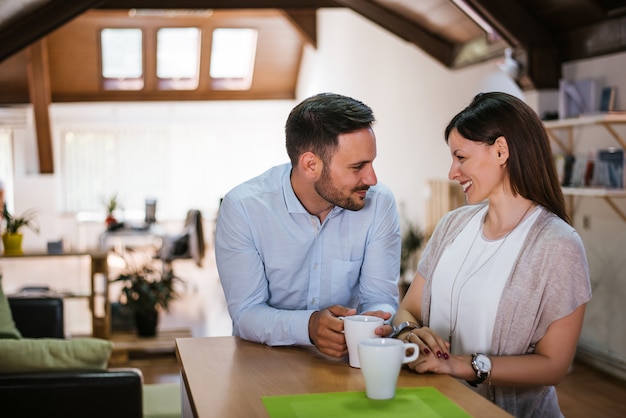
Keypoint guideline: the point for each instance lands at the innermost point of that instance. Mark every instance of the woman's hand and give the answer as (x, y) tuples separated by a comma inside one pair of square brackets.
[(429, 342)]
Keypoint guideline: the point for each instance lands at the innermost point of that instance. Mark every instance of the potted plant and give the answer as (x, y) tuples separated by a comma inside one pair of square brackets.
[(110, 204), (11, 235), (412, 240), (148, 287)]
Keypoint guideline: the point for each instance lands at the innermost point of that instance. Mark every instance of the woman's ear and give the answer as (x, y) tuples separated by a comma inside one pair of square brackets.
[(502, 149)]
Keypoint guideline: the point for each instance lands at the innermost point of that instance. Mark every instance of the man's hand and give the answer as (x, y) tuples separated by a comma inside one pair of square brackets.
[(326, 330), (383, 330)]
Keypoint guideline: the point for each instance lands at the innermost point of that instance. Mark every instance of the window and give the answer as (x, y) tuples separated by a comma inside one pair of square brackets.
[(129, 162), (178, 58), (6, 166), (122, 59), (233, 52)]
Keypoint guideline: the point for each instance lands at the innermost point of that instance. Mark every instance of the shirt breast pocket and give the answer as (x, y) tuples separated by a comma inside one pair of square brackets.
[(346, 280)]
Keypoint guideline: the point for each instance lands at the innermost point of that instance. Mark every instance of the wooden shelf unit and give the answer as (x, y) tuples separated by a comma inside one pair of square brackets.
[(99, 304), (607, 194), (607, 121)]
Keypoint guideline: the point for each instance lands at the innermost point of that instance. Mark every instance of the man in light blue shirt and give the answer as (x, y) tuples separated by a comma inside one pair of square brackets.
[(315, 239)]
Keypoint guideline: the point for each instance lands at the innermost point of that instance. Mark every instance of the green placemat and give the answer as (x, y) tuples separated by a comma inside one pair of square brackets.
[(423, 402)]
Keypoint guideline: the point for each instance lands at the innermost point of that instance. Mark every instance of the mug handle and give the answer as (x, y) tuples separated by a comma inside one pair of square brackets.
[(412, 357)]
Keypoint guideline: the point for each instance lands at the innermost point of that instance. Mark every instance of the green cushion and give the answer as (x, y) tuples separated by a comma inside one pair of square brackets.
[(7, 326), (162, 400), (53, 354)]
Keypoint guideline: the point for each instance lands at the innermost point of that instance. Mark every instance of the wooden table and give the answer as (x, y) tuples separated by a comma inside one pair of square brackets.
[(151, 236), (227, 376), (127, 343)]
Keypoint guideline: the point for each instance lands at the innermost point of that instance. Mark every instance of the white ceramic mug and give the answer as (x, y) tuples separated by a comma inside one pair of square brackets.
[(357, 328), (381, 360)]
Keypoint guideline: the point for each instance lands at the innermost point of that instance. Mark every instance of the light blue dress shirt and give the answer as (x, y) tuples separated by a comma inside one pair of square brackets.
[(278, 264)]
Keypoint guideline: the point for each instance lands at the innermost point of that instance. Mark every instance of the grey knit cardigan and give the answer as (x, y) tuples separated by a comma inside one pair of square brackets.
[(549, 280)]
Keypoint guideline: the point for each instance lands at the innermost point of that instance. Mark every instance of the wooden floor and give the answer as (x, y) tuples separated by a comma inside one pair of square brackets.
[(587, 392)]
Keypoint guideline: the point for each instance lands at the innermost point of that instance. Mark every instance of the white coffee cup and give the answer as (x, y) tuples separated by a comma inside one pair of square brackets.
[(357, 328), (381, 360)]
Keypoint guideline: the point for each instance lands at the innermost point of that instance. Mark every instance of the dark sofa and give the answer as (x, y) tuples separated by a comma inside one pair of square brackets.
[(85, 393), (37, 316)]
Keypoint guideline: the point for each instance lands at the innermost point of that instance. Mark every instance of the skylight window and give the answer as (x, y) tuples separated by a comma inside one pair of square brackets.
[(232, 58), (122, 59), (178, 58)]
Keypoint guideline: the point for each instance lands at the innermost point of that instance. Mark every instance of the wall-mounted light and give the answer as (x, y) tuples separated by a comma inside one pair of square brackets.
[(510, 65)]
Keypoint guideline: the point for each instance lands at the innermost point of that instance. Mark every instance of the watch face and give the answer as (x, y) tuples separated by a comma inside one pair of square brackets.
[(483, 362)]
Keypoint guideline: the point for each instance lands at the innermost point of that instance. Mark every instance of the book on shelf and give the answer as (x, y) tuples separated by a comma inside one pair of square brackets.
[(607, 99), (610, 168), (601, 168), (576, 97), (580, 98)]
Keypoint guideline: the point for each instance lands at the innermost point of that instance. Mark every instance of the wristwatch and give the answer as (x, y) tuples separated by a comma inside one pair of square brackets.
[(397, 329), (482, 366)]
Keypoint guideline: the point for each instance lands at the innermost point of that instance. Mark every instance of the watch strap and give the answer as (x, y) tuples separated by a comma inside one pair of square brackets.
[(481, 375), (407, 325)]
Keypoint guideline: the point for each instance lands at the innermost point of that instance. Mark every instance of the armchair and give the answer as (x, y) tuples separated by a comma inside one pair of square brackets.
[(66, 393), (101, 393), (37, 316)]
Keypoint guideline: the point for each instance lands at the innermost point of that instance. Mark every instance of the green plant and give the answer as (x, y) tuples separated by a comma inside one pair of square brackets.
[(412, 239), (110, 203), (13, 224), (147, 287)]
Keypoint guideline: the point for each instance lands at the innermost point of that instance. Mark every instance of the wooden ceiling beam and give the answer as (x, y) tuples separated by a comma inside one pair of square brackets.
[(542, 62), (512, 22), (40, 97), (599, 39), (305, 22), (434, 46), (24, 29)]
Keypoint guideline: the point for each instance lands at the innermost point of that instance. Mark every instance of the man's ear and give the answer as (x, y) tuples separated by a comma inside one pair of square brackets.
[(311, 165)]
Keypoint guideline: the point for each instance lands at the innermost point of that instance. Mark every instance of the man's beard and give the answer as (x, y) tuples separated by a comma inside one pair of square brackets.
[(326, 188)]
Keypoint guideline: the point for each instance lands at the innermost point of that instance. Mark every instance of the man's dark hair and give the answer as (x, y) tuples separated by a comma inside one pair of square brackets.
[(315, 124)]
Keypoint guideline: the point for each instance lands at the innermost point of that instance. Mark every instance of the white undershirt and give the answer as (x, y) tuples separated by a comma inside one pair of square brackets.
[(488, 264)]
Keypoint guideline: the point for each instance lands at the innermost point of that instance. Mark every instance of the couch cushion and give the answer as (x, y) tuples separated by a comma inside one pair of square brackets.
[(7, 326), (53, 354)]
